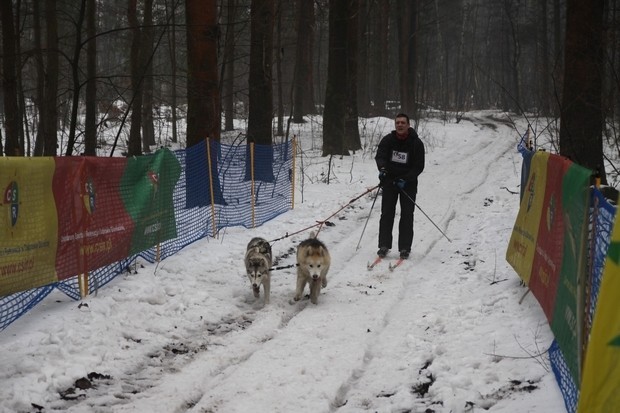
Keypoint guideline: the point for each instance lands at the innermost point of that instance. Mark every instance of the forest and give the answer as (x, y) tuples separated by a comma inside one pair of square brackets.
[(160, 72)]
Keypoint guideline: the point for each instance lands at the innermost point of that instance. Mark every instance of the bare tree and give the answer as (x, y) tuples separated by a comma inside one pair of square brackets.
[(75, 77), (49, 110), (351, 129), (134, 144), (303, 86), (336, 95), (90, 129), (581, 112), (407, 54), (146, 58), (229, 65), (260, 77), (172, 40), (203, 94), (9, 82)]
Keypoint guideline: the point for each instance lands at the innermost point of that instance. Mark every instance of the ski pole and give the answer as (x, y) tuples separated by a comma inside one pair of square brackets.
[(371, 207), (421, 210)]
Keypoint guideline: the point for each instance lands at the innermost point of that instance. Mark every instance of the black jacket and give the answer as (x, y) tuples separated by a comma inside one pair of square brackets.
[(401, 158)]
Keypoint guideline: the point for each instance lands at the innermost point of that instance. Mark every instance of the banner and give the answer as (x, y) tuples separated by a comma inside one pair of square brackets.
[(28, 224), (522, 244), (94, 228), (148, 184), (547, 245), (601, 374)]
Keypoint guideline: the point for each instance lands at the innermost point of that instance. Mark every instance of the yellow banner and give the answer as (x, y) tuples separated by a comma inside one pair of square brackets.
[(28, 224), (601, 374), (522, 245)]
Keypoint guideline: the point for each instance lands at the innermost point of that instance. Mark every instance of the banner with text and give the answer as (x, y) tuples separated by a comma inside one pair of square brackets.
[(547, 245)]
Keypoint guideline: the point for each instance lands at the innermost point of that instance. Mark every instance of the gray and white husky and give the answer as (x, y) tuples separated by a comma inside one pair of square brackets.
[(313, 262), (257, 265)]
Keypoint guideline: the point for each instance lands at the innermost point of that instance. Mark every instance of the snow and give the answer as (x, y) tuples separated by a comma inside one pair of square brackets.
[(444, 332)]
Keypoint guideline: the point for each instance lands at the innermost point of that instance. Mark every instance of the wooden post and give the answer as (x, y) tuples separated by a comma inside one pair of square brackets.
[(83, 284), (211, 186), (252, 203), (293, 174)]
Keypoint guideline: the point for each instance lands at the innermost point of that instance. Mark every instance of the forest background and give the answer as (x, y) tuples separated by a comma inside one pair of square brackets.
[(71, 69)]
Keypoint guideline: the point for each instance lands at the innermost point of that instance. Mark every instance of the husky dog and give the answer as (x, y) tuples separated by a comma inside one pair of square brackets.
[(313, 262), (257, 265)]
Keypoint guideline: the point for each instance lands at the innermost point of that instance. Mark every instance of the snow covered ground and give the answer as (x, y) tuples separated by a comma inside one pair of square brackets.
[(442, 333)]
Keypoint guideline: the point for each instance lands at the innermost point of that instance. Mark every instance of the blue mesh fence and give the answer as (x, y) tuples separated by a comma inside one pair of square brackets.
[(601, 217), (239, 201)]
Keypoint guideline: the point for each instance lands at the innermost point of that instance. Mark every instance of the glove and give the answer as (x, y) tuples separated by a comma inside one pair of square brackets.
[(382, 174), (400, 183)]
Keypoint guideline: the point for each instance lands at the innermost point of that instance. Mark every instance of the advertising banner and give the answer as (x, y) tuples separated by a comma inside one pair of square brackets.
[(28, 224)]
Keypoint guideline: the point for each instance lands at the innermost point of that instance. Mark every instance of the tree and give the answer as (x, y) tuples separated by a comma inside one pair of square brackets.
[(9, 82), (75, 76), (133, 147), (146, 59), (336, 89), (228, 70), (49, 110), (351, 129), (90, 132), (203, 94), (260, 77), (303, 86), (581, 120), (407, 54)]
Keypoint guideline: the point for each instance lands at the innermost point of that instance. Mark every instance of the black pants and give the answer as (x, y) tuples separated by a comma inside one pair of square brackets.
[(391, 194)]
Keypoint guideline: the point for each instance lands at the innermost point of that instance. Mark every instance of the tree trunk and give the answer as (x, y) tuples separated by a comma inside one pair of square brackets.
[(203, 94), (351, 129), (148, 130), (581, 113), (173, 68), (134, 145), (40, 69), (407, 55), (50, 147), (75, 77), (280, 80), (229, 66), (9, 82), (90, 129), (336, 90), (303, 93), (260, 88)]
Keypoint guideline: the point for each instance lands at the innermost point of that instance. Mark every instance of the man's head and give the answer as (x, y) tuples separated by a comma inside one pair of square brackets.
[(401, 123)]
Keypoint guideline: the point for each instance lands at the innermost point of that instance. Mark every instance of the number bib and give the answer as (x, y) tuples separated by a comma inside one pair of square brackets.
[(400, 157)]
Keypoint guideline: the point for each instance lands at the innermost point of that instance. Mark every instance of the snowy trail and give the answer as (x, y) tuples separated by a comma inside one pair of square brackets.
[(226, 353)]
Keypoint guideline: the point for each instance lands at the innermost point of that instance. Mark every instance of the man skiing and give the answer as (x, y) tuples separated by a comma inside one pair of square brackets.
[(400, 159)]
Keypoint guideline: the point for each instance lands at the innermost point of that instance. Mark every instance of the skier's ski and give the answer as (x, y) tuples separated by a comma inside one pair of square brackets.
[(396, 264), (372, 265)]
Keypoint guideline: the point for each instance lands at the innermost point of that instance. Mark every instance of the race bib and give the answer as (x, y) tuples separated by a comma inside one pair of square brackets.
[(399, 157)]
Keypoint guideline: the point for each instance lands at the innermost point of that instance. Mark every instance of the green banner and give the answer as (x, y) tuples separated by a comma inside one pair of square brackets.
[(147, 187), (575, 195)]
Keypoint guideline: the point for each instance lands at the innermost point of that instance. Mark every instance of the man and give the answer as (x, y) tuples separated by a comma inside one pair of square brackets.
[(400, 159)]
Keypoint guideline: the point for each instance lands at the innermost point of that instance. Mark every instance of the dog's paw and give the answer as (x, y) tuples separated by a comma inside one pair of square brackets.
[(297, 298)]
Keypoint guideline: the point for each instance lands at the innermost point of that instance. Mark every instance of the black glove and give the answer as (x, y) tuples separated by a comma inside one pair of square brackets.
[(400, 183), (382, 174)]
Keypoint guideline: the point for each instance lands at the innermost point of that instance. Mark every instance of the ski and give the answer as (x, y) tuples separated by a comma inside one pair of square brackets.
[(396, 264), (372, 265)]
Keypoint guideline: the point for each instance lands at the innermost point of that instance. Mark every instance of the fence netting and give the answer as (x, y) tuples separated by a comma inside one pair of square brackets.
[(106, 212), (601, 220)]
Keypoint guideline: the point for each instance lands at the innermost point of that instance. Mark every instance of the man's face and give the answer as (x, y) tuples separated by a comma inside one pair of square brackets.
[(401, 125)]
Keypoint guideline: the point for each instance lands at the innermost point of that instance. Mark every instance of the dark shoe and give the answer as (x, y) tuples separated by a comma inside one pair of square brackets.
[(404, 254), (383, 252)]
